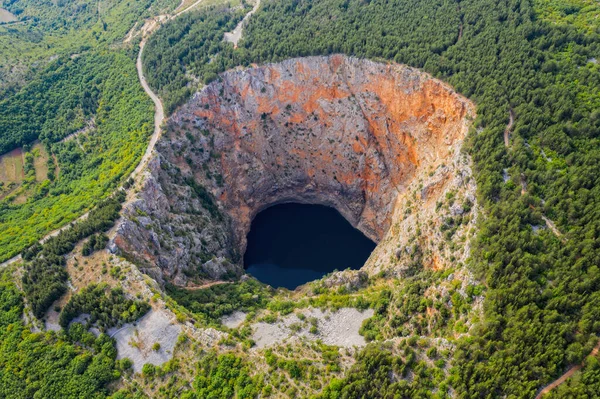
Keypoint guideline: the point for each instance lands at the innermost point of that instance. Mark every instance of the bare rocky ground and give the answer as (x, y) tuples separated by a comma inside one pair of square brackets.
[(51, 321), (135, 341), (234, 320), (6, 16), (338, 328)]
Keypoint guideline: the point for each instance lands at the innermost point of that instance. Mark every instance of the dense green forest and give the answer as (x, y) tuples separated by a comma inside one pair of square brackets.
[(183, 50), (55, 104), (73, 364), (541, 290), (584, 384), (225, 376)]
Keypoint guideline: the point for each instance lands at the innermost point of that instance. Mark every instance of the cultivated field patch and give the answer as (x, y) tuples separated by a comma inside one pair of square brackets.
[(13, 171), (11, 167)]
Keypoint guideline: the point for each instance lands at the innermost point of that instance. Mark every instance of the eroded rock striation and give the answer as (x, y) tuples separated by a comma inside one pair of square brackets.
[(378, 142)]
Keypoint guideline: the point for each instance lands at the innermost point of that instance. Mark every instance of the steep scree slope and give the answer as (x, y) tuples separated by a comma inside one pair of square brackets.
[(379, 142)]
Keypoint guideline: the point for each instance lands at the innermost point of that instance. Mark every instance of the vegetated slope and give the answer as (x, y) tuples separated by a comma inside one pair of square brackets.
[(56, 103), (541, 294), (72, 365), (83, 15), (175, 66), (585, 382), (65, 29), (579, 13), (59, 71), (103, 85), (45, 29)]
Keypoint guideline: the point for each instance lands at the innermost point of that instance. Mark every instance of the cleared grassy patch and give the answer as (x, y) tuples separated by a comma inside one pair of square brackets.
[(40, 162), (12, 167), (13, 176), (11, 171)]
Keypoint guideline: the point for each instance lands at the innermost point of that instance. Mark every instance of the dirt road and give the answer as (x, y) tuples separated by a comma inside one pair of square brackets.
[(566, 375), (235, 35), (159, 116), (511, 121)]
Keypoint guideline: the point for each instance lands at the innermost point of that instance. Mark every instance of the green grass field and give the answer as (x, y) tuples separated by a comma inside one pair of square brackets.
[(13, 173)]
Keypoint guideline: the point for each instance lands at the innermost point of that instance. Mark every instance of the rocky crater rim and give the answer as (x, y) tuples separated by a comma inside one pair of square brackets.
[(348, 133)]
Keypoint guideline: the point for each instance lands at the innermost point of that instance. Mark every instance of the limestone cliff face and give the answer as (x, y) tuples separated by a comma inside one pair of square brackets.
[(369, 139)]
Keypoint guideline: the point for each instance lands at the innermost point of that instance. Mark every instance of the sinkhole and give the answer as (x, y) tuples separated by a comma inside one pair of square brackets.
[(291, 244), (379, 143)]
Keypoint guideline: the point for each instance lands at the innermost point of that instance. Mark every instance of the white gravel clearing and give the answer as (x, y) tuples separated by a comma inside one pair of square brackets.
[(51, 321), (338, 328), (233, 320), (135, 341), (235, 35)]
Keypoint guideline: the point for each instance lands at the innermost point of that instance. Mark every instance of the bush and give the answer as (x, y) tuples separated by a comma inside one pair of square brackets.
[(219, 300), (148, 370), (107, 307)]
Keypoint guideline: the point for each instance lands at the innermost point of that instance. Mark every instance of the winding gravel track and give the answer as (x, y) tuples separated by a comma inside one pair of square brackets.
[(159, 113), (566, 375), (159, 116), (235, 35)]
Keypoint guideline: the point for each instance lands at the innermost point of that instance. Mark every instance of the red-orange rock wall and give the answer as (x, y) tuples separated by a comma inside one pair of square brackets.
[(319, 128), (338, 131)]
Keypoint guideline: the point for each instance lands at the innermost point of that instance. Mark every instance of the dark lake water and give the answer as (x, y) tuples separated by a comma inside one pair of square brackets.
[(292, 244)]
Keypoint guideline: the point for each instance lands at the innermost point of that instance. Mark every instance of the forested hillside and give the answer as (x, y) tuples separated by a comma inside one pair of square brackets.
[(71, 364), (182, 53), (100, 85), (541, 306), (66, 71), (57, 102), (45, 29)]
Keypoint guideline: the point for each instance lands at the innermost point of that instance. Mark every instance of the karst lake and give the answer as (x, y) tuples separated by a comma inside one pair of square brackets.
[(292, 244)]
